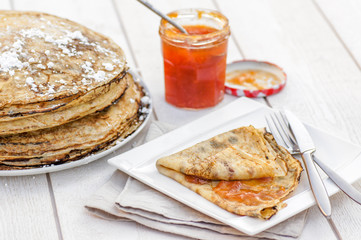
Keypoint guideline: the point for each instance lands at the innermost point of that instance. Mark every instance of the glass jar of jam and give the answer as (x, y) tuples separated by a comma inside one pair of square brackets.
[(195, 64)]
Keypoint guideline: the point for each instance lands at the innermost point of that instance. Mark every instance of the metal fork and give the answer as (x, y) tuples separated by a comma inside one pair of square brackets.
[(279, 127), (290, 143)]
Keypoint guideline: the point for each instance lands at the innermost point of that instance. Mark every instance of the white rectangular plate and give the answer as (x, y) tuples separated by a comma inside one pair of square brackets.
[(139, 163)]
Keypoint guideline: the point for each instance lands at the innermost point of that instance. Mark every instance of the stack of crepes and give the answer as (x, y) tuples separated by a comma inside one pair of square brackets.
[(65, 91)]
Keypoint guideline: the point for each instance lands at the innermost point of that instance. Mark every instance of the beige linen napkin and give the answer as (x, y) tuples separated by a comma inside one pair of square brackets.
[(125, 198)]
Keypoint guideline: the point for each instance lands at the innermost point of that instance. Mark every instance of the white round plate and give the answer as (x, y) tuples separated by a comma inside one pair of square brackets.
[(92, 157)]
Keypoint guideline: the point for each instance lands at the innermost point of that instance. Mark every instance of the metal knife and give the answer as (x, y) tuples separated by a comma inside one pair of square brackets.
[(307, 148), (346, 187)]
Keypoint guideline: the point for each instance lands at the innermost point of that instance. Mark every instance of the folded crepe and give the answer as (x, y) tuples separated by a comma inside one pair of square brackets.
[(243, 171), (239, 154)]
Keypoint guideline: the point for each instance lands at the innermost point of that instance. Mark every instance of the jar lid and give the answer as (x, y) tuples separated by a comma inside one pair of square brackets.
[(253, 78)]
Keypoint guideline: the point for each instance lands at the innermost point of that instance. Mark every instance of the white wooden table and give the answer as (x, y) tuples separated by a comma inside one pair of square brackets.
[(318, 43)]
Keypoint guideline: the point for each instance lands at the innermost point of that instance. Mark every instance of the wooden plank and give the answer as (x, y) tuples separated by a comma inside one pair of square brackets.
[(26, 211), (344, 17), (142, 31), (323, 80)]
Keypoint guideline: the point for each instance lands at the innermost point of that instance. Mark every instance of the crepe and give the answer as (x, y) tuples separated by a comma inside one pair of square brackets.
[(258, 197), (93, 101), (76, 139), (16, 112), (47, 61), (239, 154)]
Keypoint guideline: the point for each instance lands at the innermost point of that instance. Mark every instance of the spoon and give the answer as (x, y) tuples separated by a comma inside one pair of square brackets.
[(162, 15)]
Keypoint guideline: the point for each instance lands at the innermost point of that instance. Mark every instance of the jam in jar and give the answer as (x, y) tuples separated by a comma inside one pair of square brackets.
[(195, 63)]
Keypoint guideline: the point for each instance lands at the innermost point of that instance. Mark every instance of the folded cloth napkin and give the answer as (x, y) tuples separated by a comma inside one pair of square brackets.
[(125, 198)]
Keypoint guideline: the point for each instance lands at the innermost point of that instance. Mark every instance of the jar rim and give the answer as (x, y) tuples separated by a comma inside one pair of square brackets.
[(195, 13)]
